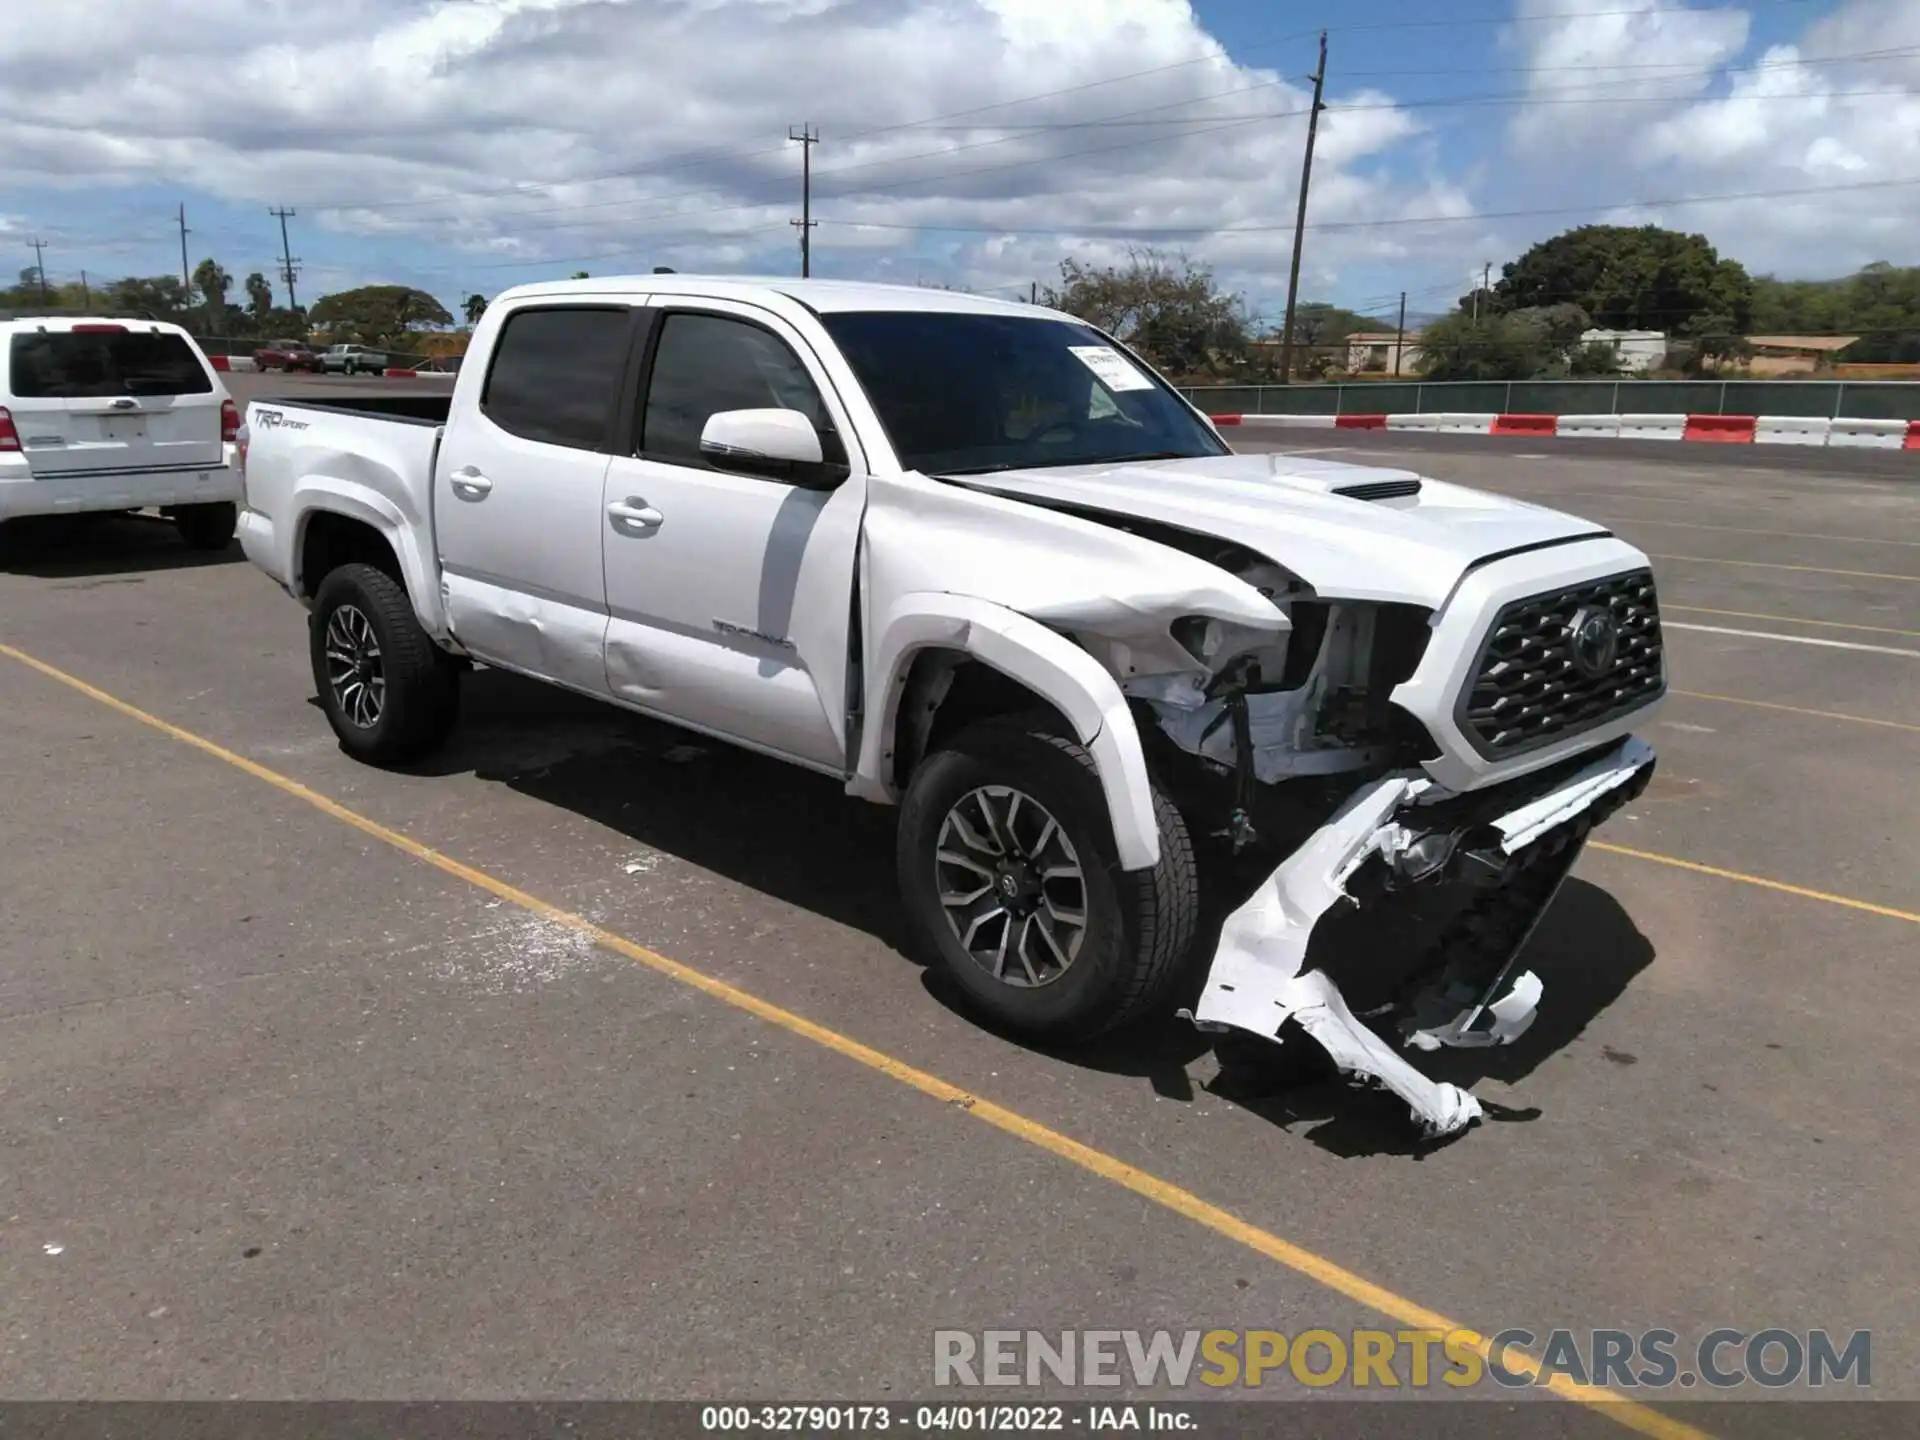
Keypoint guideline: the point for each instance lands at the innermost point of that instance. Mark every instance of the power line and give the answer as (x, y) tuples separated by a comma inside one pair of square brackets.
[(1205, 125), (1107, 232)]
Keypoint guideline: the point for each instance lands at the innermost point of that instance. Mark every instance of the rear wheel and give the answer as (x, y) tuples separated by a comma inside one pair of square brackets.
[(390, 693), (207, 527), (1012, 884)]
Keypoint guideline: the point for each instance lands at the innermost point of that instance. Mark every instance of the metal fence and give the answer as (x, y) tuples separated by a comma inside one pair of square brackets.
[(1854, 399)]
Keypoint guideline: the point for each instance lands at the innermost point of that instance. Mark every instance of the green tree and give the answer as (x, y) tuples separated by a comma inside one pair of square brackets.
[(161, 296), (579, 275), (1542, 343), (1165, 306), (1629, 278), (475, 306), (259, 296), (213, 283), (375, 313)]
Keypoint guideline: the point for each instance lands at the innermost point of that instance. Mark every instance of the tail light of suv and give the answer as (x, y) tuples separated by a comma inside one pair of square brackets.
[(9, 437), (229, 422)]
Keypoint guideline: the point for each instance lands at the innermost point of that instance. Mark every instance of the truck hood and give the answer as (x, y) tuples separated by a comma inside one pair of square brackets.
[(1408, 547)]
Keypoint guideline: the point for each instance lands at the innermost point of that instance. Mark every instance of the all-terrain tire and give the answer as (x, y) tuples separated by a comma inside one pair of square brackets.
[(421, 699), (207, 527), (1140, 924)]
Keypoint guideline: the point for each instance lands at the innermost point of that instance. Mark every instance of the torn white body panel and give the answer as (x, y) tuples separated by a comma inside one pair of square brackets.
[(1259, 980)]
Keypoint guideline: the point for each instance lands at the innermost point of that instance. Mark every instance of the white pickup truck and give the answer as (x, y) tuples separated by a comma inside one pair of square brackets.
[(975, 559)]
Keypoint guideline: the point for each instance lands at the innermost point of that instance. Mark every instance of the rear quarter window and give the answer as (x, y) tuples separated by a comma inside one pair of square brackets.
[(79, 366)]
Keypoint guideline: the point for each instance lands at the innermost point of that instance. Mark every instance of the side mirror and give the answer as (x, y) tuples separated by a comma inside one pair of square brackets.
[(780, 444)]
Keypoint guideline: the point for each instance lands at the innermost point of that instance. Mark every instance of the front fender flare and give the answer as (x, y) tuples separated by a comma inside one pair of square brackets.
[(1044, 661)]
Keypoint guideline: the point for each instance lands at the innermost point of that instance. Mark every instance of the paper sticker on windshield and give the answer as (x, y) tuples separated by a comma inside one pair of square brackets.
[(1111, 367)]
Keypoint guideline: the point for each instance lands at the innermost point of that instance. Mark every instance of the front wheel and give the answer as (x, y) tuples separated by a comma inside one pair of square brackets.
[(390, 693), (1012, 885)]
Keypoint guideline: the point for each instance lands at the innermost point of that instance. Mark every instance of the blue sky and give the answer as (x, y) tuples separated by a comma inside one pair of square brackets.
[(466, 145)]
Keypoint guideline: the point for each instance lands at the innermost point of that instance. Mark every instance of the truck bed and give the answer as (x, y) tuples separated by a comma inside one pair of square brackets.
[(410, 409)]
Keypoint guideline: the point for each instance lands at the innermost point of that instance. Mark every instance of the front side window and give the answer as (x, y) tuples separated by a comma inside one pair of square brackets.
[(556, 374), (705, 364), (962, 393)]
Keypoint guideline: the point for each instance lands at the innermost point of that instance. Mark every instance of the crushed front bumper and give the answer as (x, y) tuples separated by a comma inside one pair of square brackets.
[(1416, 833)]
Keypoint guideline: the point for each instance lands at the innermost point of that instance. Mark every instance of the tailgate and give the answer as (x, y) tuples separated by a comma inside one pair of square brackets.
[(111, 400)]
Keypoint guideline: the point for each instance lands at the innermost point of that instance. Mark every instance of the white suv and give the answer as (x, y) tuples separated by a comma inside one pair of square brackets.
[(99, 415)]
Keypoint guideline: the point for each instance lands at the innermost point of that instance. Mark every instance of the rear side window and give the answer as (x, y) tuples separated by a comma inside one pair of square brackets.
[(556, 375), (709, 363), (68, 366)]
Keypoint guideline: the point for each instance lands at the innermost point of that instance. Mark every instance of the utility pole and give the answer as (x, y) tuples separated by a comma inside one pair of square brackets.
[(1300, 220), (1400, 336), (808, 138), (287, 261), (1033, 292), (1486, 283), (186, 279), (86, 295), (40, 266)]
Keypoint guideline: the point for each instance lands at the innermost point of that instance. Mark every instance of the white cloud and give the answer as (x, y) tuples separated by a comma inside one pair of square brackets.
[(466, 136), (1835, 108), (611, 132)]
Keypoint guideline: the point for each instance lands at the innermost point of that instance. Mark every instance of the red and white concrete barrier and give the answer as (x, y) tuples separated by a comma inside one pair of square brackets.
[(1791, 430), (1700, 429), (1870, 434)]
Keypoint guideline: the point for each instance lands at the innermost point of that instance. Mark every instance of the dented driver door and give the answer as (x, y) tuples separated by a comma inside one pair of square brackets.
[(729, 594)]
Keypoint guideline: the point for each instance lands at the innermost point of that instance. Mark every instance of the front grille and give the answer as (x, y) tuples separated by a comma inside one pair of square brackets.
[(1535, 684), (1380, 489)]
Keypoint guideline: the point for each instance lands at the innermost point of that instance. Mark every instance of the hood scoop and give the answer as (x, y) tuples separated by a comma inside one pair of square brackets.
[(1398, 488)]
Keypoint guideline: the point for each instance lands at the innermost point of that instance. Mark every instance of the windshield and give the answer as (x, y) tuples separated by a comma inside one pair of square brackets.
[(964, 393)]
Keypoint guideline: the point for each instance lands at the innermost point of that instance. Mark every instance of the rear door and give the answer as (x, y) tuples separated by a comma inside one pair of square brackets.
[(517, 504), (112, 399)]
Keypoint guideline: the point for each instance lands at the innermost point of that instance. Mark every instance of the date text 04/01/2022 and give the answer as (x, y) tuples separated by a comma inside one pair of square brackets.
[(944, 1418)]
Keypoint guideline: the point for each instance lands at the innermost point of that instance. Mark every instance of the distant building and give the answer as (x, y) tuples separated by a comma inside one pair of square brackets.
[(1794, 354), (1382, 352), (1634, 351)]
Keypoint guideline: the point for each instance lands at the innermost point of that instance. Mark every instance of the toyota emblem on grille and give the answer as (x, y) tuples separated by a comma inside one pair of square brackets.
[(1593, 640)]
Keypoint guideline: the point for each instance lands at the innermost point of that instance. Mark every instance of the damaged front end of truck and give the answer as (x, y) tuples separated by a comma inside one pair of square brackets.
[(1308, 753)]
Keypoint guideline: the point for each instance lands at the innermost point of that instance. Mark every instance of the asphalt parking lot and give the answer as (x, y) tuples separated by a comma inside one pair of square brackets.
[(292, 1111)]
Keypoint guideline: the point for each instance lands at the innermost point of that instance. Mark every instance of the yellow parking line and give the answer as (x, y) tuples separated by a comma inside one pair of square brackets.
[(1788, 619), (1796, 710), (1613, 1405), (1774, 565), (1844, 901)]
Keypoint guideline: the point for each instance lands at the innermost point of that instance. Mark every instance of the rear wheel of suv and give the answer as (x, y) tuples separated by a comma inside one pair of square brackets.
[(1012, 884), (207, 527), (390, 693)]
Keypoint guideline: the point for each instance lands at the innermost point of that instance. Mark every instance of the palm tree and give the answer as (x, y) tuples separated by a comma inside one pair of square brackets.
[(213, 283), (476, 306), (259, 295)]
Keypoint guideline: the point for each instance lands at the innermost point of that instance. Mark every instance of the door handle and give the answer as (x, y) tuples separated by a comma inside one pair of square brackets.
[(124, 402), (635, 511), (470, 483)]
